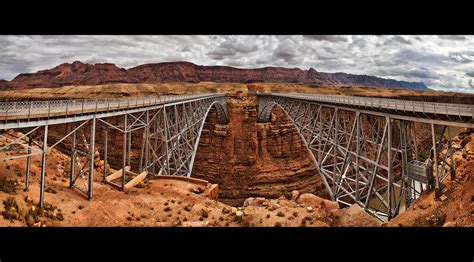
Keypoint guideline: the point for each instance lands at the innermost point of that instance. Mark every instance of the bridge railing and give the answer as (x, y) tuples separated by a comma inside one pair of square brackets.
[(461, 110), (37, 109)]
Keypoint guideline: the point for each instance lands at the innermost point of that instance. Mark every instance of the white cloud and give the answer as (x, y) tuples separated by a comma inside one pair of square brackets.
[(442, 62)]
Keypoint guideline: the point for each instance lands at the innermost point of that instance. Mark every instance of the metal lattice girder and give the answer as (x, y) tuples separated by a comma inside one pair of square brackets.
[(169, 134), (361, 154)]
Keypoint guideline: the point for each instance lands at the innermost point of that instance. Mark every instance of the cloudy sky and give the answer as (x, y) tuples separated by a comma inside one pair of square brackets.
[(441, 62)]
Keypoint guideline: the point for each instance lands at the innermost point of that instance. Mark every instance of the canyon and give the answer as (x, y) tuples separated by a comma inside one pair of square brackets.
[(263, 170), (250, 159), (245, 158), (78, 73)]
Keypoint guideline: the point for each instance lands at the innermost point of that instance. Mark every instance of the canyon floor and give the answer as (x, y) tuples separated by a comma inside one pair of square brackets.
[(169, 202)]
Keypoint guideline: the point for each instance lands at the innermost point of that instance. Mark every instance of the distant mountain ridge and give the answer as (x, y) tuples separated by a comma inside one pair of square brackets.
[(79, 73)]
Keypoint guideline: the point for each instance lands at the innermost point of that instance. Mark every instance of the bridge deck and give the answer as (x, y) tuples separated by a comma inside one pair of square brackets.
[(455, 112), (32, 113)]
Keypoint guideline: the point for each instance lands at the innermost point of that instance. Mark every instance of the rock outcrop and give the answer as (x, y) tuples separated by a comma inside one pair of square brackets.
[(249, 159), (79, 73)]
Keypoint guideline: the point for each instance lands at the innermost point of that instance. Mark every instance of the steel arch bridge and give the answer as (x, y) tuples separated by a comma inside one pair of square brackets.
[(366, 150), (170, 125)]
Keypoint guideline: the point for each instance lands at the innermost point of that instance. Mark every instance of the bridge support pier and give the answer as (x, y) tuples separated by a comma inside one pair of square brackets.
[(435, 157), (92, 154), (106, 135), (73, 160), (124, 151), (43, 165), (28, 164)]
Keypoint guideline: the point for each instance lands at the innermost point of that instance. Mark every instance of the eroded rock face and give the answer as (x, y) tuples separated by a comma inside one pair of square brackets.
[(248, 159), (79, 73)]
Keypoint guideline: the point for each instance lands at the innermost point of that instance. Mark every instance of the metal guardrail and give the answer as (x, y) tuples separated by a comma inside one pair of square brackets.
[(459, 110), (37, 109)]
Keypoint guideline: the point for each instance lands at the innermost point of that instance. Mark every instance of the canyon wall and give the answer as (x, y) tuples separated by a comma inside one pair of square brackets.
[(250, 159)]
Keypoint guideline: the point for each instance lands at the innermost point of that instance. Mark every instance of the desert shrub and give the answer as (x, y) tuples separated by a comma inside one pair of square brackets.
[(51, 190), (9, 186)]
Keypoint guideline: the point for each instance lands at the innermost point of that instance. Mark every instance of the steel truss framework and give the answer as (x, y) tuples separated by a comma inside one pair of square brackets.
[(362, 155), (170, 135)]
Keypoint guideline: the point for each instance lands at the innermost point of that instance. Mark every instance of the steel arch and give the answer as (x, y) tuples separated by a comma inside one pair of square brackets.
[(176, 122), (363, 154)]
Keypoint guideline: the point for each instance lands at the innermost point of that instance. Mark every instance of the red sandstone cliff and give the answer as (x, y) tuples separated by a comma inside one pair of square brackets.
[(249, 159), (79, 73)]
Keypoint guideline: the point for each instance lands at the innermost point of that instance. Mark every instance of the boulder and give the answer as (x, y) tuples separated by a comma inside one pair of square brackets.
[(317, 202), (355, 216), (294, 195)]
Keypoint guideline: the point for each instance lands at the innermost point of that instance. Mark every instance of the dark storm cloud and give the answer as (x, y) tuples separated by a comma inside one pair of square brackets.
[(401, 39), (405, 55), (422, 73), (417, 73), (453, 37), (329, 38), (239, 47), (221, 53), (231, 48), (185, 49), (286, 52), (471, 73)]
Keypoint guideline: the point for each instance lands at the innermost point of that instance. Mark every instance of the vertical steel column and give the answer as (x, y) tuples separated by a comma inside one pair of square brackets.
[(124, 151), (129, 147), (73, 160), (28, 165), (142, 151), (106, 131), (389, 166), (320, 135), (155, 136), (414, 141), (336, 145), (92, 152), (43, 165), (405, 146), (435, 169), (167, 158), (452, 169), (358, 155), (147, 140)]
